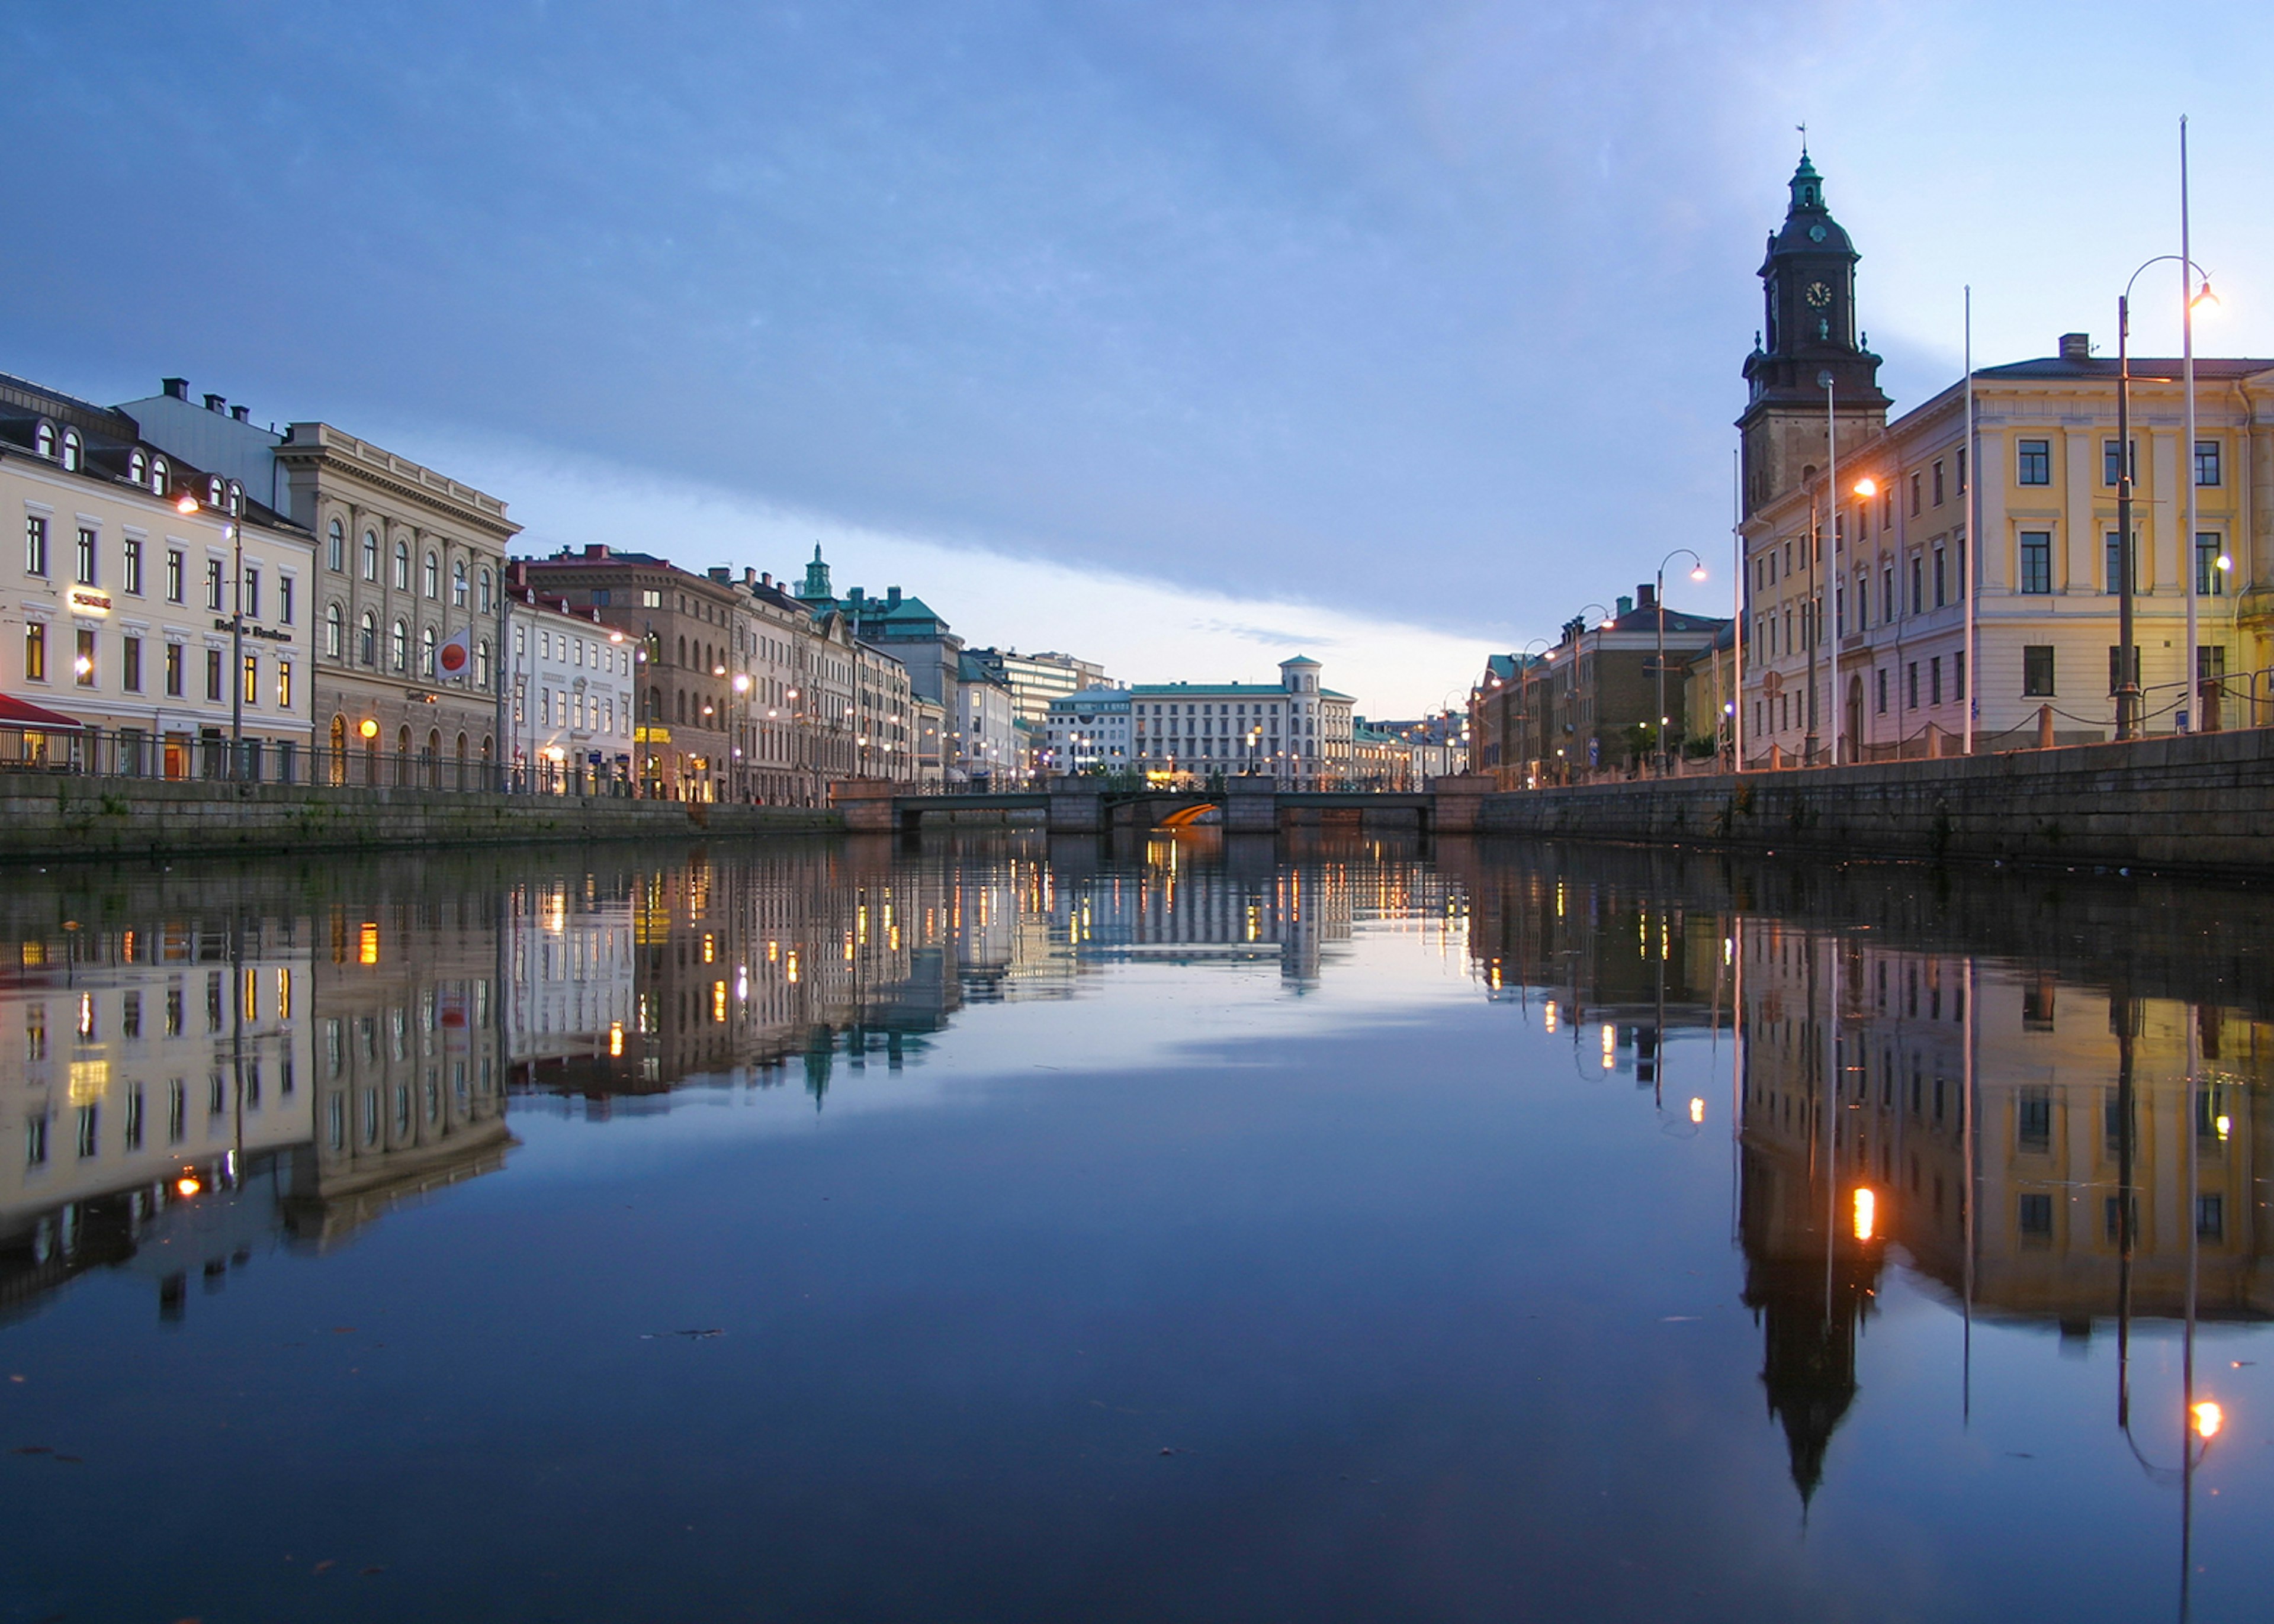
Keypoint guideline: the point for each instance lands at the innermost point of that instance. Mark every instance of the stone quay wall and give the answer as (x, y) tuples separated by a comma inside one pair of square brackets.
[(2204, 802), (61, 816)]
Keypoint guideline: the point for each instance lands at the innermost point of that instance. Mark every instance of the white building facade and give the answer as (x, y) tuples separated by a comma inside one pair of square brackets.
[(570, 706), (1090, 730), (1298, 732)]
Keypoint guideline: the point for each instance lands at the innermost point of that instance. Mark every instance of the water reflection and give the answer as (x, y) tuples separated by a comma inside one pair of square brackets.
[(2042, 1102)]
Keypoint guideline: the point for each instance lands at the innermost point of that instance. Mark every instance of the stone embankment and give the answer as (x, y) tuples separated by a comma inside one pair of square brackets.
[(59, 816), (2204, 803)]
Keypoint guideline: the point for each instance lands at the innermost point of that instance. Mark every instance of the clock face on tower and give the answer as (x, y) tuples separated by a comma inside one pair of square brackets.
[(1819, 294)]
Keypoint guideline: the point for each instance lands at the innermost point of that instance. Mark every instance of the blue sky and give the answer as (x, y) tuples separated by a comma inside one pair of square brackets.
[(1171, 333)]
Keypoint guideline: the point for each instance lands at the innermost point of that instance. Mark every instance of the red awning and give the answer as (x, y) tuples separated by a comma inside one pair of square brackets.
[(17, 713)]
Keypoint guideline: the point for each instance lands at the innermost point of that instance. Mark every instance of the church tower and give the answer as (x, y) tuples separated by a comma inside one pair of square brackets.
[(816, 589), (1808, 287)]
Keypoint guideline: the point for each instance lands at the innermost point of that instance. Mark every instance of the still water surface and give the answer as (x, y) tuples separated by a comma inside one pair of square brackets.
[(1011, 1230)]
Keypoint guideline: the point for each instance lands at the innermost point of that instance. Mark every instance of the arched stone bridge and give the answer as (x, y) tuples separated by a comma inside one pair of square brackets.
[(1256, 806)]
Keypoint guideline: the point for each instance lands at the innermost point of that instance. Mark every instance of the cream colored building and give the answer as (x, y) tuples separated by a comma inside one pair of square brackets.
[(119, 608), (1298, 731), (1857, 601)]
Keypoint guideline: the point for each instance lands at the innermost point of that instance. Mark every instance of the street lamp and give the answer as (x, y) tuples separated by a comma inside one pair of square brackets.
[(2127, 656), (1697, 572), (234, 532)]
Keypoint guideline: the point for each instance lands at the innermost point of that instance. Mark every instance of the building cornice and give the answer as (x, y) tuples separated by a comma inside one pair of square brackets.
[(321, 446)]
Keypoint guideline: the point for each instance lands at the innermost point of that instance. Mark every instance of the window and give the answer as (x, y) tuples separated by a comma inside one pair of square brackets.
[(43, 441), (2035, 464), (213, 583), (433, 576), (402, 647), (2207, 461), (2033, 1121), (1962, 471), (335, 551), (213, 674), (284, 685), (2211, 1217), (2112, 566), (1918, 584), (2112, 467), (137, 466), (367, 644), (86, 559), (482, 663), (2210, 577), (1938, 482), (173, 671), (2116, 667), (130, 665), (651, 600), (35, 1137), (173, 574), (252, 593), (284, 601), (1882, 675), (35, 545), (2036, 1216), (402, 567), (427, 652), (1958, 677), (35, 652), (252, 689), (370, 555), (1911, 700), (458, 583), (1941, 578), (335, 631), (487, 604), (1915, 494), (1934, 681), (131, 575), (160, 476)]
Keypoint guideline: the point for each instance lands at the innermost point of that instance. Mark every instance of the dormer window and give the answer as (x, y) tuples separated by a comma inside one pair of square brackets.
[(71, 451), (236, 497), (43, 441), (137, 468), (213, 492), (158, 472)]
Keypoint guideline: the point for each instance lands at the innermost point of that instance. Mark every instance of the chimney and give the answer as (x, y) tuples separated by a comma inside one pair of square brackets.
[(749, 575), (176, 388), (596, 550), (853, 595), (214, 402), (891, 598), (767, 578), (243, 414), (2076, 346), (1646, 595), (1626, 607)]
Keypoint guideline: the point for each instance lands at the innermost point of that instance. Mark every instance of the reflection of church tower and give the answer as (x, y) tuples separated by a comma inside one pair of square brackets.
[(1809, 1315), (1807, 286)]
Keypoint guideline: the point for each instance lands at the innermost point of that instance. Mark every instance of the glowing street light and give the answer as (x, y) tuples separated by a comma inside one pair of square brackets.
[(1867, 1213)]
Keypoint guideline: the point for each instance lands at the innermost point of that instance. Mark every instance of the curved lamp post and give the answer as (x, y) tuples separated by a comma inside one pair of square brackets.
[(1697, 574)]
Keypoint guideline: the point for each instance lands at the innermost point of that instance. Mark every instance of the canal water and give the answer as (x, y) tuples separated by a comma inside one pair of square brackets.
[(1180, 1230)]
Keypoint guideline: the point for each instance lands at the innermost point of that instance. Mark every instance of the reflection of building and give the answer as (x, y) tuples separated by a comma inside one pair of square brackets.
[(409, 1087), (159, 1063)]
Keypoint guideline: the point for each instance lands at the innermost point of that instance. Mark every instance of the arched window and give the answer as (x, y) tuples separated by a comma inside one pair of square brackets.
[(486, 604), (70, 450), (43, 441), (655, 704), (236, 497), (158, 475), (137, 468), (337, 558), (681, 701), (482, 663), (458, 583), (426, 653), (682, 651), (370, 555), (402, 648), (403, 756), (433, 576), (335, 631), (402, 567), (213, 492), (368, 649)]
